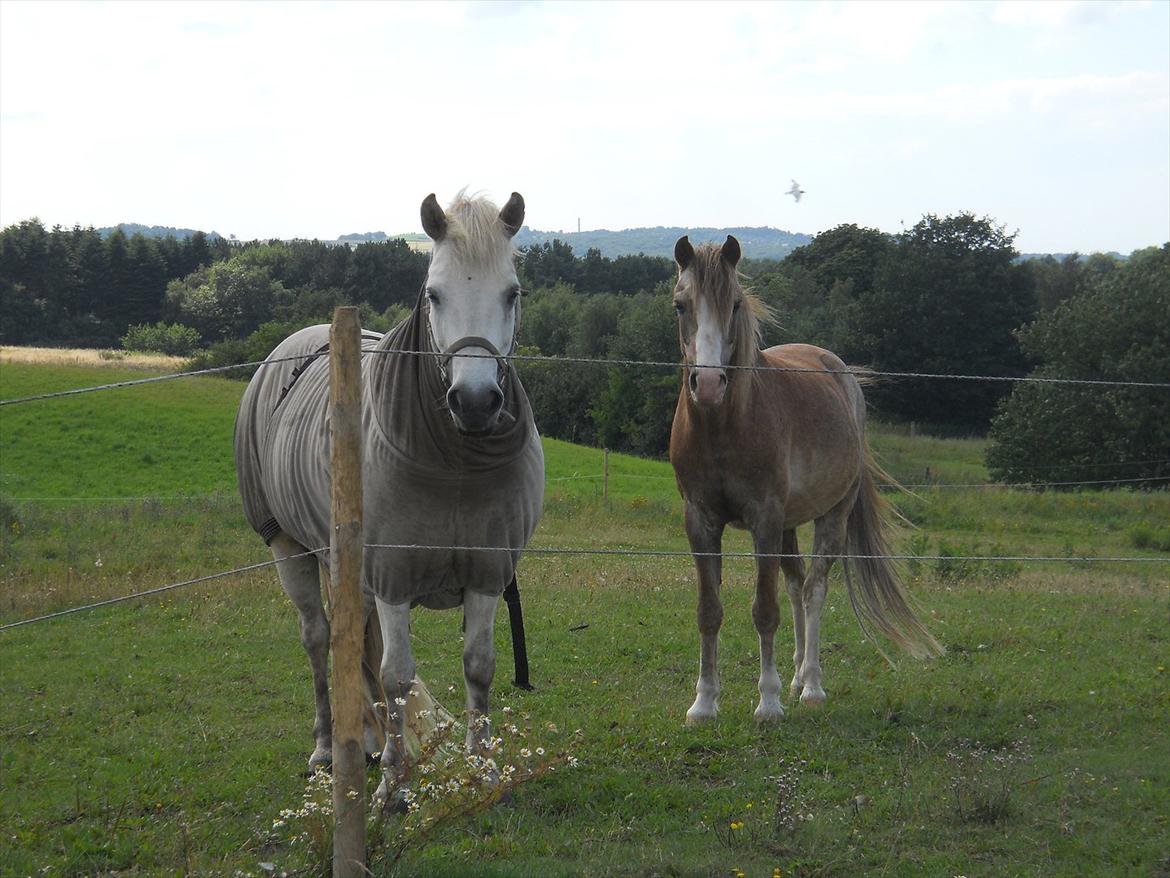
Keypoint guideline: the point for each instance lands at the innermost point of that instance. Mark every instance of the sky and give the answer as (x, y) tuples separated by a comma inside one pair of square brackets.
[(308, 119)]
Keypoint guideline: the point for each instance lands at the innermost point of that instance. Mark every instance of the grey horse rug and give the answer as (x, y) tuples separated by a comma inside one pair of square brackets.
[(424, 482)]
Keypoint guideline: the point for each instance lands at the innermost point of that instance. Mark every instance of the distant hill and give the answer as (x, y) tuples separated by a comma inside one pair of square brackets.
[(759, 242), (132, 229), (1060, 257), (363, 237)]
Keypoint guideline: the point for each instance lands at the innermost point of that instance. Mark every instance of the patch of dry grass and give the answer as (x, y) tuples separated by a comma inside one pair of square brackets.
[(91, 357)]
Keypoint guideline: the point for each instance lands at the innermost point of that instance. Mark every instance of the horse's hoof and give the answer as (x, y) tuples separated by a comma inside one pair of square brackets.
[(701, 717), (813, 697), (506, 800), (395, 804), (319, 763), (772, 713)]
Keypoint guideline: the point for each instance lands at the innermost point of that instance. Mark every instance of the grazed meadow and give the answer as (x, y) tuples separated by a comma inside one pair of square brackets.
[(164, 735)]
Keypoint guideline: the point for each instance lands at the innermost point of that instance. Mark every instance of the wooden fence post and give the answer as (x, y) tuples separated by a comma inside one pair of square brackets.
[(606, 478), (345, 569)]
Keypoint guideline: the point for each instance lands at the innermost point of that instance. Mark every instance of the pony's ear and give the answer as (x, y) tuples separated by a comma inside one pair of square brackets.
[(434, 221), (683, 252), (512, 216), (730, 251)]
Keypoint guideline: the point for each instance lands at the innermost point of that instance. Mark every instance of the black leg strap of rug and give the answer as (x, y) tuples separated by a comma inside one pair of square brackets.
[(519, 648)]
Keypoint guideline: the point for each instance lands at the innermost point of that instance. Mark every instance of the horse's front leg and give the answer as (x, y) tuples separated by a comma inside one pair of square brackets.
[(766, 616), (479, 665), (398, 670), (706, 539)]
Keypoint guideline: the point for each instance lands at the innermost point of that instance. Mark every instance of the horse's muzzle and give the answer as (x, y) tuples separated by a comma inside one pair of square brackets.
[(707, 385), (476, 410)]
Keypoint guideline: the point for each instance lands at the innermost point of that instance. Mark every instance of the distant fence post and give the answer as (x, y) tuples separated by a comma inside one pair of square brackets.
[(345, 570), (605, 465)]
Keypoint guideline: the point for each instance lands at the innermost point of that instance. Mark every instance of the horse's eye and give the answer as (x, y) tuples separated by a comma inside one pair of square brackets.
[(432, 296), (680, 309), (513, 295), (735, 307)]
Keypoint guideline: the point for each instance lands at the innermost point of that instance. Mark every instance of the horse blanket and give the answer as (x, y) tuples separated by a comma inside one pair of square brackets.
[(424, 482)]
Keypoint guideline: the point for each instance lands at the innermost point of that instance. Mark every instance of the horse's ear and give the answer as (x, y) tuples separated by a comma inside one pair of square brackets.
[(683, 252), (730, 251), (434, 221), (512, 216)]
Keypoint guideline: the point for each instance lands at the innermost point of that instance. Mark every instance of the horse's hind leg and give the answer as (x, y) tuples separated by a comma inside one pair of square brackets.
[(828, 541), (766, 616), (298, 578), (398, 671), (793, 568)]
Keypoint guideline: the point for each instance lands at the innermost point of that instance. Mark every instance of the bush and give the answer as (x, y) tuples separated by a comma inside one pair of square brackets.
[(253, 349), (162, 338)]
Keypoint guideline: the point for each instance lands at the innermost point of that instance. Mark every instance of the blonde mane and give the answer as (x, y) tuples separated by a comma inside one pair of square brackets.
[(475, 232)]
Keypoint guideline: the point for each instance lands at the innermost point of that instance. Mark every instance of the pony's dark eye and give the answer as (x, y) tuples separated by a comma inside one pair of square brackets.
[(735, 307), (513, 295), (432, 296), (680, 309)]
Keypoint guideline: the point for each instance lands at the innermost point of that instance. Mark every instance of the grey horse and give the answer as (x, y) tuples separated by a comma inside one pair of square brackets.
[(452, 460)]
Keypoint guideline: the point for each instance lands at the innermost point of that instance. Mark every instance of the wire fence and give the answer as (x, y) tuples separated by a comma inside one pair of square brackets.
[(615, 552), (601, 552), (619, 477)]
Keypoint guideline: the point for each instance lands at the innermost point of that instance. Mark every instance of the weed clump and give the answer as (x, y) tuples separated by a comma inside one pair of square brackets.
[(441, 785), (1144, 536), (984, 780)]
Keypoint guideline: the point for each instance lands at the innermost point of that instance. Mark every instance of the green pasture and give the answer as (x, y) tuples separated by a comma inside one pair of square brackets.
[(163, 736)]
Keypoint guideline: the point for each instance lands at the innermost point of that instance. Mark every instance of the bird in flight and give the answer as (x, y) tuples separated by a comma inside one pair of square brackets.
[(795, 191)]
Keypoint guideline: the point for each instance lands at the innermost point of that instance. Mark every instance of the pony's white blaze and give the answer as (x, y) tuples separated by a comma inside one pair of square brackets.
[(709, 381)]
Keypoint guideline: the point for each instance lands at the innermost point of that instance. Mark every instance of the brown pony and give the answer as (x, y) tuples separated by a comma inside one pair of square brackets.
[(768, 451)]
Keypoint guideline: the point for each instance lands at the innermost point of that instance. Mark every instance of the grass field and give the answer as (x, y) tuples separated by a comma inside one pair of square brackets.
[(163, 736)]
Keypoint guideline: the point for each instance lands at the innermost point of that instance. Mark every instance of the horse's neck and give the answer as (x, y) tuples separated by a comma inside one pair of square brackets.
[(393, 376)]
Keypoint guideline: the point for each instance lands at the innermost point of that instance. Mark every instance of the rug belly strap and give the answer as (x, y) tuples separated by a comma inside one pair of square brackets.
[(269, 531)]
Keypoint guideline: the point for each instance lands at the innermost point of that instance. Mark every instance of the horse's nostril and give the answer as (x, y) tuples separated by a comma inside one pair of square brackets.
[(497, 398), (694, 381), (453, 402)]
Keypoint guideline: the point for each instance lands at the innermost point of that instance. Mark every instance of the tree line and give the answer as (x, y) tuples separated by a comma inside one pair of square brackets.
[(949, 296)]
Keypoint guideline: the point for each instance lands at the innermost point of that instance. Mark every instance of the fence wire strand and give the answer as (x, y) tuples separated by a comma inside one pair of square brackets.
[(654, 364), (152, 591), (679, 553)]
